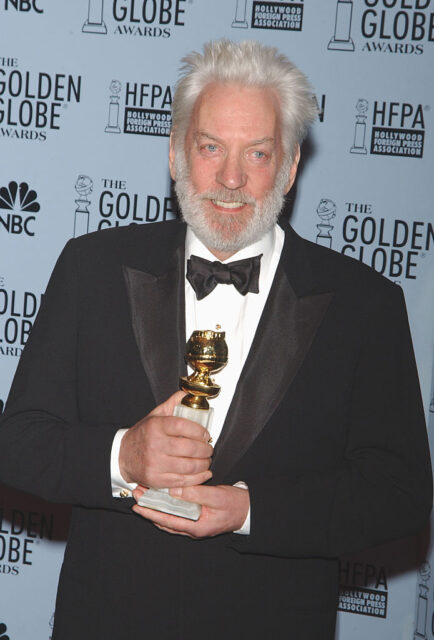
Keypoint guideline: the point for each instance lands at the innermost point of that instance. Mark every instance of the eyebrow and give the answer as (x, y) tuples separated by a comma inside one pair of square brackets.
[(205, 134)]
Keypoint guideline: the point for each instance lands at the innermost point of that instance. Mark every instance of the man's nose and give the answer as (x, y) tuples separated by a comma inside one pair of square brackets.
[(231, 173)]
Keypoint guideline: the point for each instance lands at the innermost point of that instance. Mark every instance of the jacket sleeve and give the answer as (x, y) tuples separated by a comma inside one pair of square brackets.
[(382, 488), (45, 447)]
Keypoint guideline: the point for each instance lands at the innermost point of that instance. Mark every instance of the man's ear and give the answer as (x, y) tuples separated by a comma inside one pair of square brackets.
[(293, 169), (172, 156)]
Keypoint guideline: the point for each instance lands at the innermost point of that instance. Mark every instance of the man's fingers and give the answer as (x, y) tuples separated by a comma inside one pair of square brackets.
[(178, 447), (163, 446), (213, 497), (187, 448), (181, 427), (177, 467), (186, 466), (139, 491), (172, 531), (209, 496), (178, 426), (166, 521), (179, 480), (166, 408), (224, 509), (169, 480)]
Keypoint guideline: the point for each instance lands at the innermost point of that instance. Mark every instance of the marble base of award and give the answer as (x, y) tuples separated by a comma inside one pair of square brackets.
[(206, 353), (159, 499), (202, 416)]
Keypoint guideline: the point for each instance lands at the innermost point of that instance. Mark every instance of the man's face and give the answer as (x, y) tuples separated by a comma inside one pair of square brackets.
[(231, 177)]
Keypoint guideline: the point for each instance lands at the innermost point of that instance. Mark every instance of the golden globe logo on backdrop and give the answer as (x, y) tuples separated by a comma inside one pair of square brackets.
[(146, 18), (20, 532), (383, 26), (111, 202), (18, 311), (139, 108), (395, 129), (393, 247), (32, 102)]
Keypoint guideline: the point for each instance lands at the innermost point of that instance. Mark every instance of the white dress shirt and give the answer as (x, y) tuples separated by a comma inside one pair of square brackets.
[(224, 309)]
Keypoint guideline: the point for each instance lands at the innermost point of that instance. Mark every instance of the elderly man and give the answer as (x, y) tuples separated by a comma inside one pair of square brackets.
[(318, 433)]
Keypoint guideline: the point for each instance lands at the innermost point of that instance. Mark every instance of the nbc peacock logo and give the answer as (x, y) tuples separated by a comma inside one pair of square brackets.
[(18, 203)]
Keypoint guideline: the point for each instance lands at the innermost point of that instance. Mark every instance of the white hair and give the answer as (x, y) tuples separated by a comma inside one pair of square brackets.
[(247, 63)]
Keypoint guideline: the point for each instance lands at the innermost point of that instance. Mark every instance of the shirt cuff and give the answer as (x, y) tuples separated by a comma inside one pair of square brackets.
[(245, 529), (120, 487)]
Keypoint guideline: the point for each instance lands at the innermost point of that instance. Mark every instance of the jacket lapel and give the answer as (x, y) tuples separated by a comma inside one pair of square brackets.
[(285, 333), (158, 320), (291, 317)]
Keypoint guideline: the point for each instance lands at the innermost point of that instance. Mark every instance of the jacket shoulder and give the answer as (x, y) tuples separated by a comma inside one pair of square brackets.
[(131, 234), (134, 245), (319, 269)]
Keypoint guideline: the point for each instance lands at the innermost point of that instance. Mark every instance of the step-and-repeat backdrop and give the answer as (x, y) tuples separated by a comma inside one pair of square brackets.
[(85, 97)]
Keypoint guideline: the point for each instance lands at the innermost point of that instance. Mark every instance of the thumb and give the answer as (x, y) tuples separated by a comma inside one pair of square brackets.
[(166, 408)]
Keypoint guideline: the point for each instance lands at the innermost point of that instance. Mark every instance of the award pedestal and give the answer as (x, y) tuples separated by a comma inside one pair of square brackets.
[(81, 218), (359, 136), (323, 236), (240, 22), (201, 416), (95, 22), (113, 119), (93, 27), (341, 40), (159, 499)]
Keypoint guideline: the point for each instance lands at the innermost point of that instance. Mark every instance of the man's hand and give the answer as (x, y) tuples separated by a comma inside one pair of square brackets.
[(163, 451), (224, 509)]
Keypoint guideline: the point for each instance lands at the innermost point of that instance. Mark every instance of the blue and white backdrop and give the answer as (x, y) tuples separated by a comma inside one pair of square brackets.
[(85, 97)]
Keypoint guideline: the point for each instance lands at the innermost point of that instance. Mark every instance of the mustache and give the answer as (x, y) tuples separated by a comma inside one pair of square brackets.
[(228, 195)]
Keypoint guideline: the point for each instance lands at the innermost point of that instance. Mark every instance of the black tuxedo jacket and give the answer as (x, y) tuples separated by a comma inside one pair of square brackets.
[(326, 428)]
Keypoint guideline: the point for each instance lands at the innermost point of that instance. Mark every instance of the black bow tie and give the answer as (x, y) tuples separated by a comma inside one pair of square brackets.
[(204, 275)]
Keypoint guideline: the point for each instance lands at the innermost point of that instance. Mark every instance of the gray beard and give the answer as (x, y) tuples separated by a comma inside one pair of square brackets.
[(234, 231)]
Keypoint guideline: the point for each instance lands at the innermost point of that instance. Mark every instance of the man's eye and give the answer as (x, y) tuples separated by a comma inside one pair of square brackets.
[(211, 147), (259, 155)]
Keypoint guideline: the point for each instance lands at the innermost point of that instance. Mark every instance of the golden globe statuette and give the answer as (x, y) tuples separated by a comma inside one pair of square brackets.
[(206, 353)]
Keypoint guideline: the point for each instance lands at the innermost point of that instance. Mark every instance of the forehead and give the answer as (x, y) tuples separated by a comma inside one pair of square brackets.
[(233, 110)]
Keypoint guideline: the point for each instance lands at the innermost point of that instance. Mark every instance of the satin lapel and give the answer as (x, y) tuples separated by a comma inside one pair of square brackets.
[(158, 320), (284, 336)]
